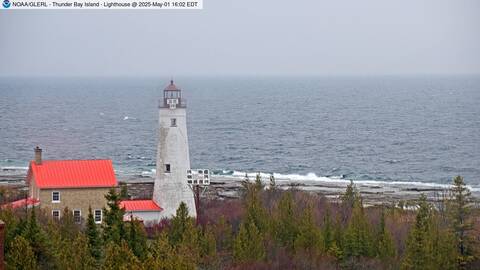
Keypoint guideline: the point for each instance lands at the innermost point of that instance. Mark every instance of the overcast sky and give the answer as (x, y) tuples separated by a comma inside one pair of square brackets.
[(244, 37)]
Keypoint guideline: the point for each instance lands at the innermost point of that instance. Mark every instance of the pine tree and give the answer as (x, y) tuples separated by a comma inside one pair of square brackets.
[(350, 195), (93, 236), (286, 229), (68, 228), (441, 246), (223, 234), (124, 192), (418, 254), (181, 224), (137, 238), (21, 255), (460, 217), (358, 239), (73, 254), (385, 246), (162, 256), (35, 236), (255, 212), (120, 257), (309, 237), (248, 245), (258, 182), (113, 227), (208, 248), (327, 231)]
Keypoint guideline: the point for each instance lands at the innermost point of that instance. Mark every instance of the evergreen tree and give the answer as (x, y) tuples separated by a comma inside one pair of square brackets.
[(309, 237), (137, 238), (441, 246), (68, 228), (113, 227), (258, 182), (120, 257), (418, 254), (286, 229), (162, 256), (358, 239), (124, 192), (93, 236), (255, 212), (460, 216), (385, 246), (181, 224), (248, 245), (73, 254), (36, 238), (21, 255), (208, 248), (327, 230), (350, 195), (338, 233), (223, 234)]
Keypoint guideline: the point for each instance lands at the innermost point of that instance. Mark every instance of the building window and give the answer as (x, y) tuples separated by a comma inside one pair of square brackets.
[(56, 214), (173, 122), (98, 216), (55, 196), (77, 216), (167, 168)]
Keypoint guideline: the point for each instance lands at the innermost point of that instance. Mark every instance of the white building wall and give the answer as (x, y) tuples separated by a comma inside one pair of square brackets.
[(171, 188), (148, 217)]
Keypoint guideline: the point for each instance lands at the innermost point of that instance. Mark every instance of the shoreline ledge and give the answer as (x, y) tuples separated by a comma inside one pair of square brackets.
[(225, 187)]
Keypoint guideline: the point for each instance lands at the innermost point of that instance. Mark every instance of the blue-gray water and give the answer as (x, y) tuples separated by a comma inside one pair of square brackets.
[(423, 129)]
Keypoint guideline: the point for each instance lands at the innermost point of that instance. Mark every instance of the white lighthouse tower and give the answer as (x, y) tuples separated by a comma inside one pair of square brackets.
[(173, 159)]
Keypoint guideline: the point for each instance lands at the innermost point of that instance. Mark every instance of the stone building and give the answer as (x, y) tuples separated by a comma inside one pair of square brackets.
[(76, 184)]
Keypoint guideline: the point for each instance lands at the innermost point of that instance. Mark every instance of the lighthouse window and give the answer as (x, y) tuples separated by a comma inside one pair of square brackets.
[(173, 122), (167, 168)]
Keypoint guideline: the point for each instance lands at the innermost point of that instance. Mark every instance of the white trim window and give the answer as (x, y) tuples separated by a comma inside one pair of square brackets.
[(77, 216), (97, 215), (173, 122), (56, 214), (55, 196)]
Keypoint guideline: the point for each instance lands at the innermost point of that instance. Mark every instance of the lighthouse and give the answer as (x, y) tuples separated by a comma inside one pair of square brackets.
[(173, 159)]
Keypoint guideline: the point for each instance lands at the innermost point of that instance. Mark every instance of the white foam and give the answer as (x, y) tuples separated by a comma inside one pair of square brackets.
[(338, 179)]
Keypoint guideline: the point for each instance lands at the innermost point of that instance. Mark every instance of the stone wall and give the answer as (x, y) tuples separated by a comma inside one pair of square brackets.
[(74, 199)]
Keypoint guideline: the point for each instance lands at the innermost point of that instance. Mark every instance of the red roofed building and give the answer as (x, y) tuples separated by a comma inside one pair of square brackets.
[(76, 184), (144, 210)]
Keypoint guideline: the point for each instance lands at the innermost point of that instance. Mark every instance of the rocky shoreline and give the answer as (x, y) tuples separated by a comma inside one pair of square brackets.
[(224, 188)]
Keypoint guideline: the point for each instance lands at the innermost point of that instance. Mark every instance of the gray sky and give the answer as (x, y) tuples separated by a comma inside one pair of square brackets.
[(244, 37)]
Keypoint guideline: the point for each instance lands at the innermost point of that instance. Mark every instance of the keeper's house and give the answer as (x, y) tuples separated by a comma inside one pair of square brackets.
[(76, 184)]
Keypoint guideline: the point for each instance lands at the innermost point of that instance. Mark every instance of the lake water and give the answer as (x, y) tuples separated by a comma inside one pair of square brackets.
[(419, 129)]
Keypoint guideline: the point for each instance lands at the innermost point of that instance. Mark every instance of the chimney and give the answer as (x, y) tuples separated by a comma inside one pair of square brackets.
[(38, 155)]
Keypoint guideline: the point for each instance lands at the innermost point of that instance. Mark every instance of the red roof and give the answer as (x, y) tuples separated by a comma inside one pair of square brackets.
[(72, 173), (140, 205), (172, 87), (29, 202)]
